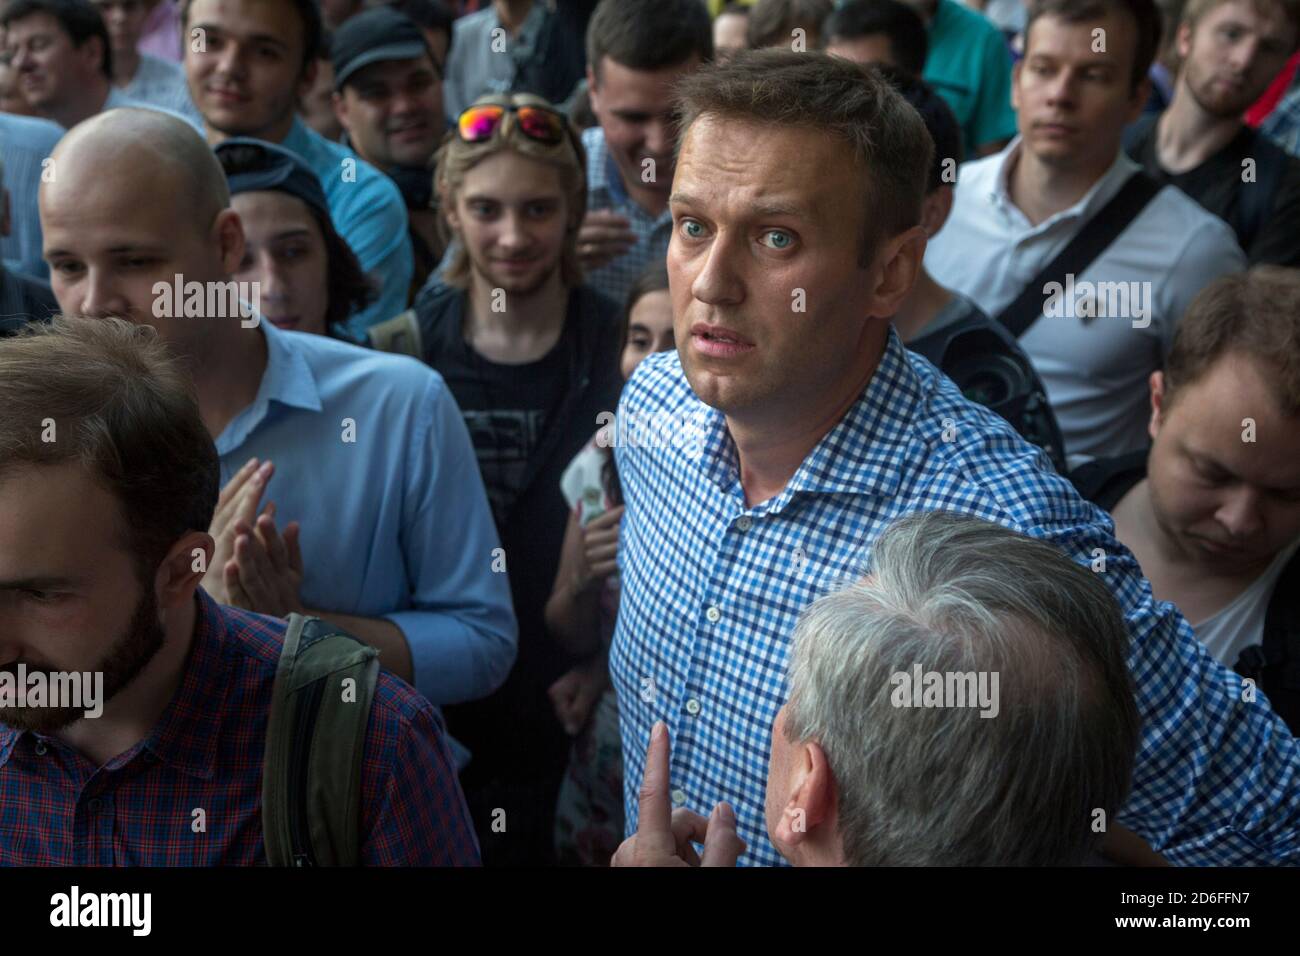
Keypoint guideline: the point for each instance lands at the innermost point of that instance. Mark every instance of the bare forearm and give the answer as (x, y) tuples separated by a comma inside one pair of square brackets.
[(387, 637), (573, 618)]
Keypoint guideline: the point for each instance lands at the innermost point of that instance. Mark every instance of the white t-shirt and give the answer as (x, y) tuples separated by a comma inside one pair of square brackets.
[(1095, 369), (1231, 630)]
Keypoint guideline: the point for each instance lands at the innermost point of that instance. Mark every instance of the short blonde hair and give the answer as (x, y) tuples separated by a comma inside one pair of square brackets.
[(456, 157)]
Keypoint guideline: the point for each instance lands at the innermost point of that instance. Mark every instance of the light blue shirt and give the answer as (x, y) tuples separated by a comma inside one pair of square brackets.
[(162, 83), (25, 142), (370, 215), (395, 523)]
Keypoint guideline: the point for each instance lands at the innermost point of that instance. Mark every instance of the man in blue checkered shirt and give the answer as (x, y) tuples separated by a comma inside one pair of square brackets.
[(762, 459), (636, 52)]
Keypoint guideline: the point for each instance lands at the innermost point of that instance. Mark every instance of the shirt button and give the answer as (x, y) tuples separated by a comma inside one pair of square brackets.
[(714, 615), (679, 797), (41, 749), (692, 707), (744, 523)]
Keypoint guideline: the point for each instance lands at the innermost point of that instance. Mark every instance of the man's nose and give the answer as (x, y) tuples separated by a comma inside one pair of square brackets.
[(1061, 89), (1240, 513), (658, 137), (102, 299), (718, 281)]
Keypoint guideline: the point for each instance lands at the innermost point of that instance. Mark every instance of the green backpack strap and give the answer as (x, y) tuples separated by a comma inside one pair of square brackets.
[(315, 739), (400, 334)]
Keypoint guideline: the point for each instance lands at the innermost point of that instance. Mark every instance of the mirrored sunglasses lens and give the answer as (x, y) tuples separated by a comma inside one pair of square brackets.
[(541, 125), (479, 124)]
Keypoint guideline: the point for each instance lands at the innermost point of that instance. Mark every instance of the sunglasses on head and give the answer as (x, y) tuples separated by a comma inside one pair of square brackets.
[(480, 123)]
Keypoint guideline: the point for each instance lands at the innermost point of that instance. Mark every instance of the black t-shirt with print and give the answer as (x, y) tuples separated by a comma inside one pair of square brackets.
[(507, 409)]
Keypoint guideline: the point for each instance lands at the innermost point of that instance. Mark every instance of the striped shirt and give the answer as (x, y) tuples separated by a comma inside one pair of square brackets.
[(711, 590), (58, 808)]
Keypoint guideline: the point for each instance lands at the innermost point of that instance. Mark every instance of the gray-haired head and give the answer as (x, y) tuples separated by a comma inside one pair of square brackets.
[(1017, 783)]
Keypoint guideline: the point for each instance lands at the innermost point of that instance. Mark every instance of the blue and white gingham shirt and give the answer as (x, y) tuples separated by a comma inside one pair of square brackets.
[(605, 191), (711, 591)]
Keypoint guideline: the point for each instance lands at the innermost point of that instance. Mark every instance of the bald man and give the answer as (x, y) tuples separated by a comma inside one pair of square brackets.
[(350, 488)]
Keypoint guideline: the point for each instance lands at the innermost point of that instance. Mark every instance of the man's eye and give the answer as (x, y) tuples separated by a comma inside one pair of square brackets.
[(692, 229), (482, 209), (66, 268), (783, 239), (40, 597)]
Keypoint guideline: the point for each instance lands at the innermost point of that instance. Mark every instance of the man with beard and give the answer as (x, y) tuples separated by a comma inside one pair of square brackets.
[(531, 357), (374, 514), (101, 535), (248, 62), (1231, 50)]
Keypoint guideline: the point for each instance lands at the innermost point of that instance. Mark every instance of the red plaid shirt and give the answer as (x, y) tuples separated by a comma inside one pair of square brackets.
[(57, 808)]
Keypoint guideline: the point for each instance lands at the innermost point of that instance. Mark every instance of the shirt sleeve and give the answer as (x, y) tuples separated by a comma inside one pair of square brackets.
[(372, 219), (1217, 777), (422, 819), (1276, 241), (992, 119), (461, 627), (1210, 252)]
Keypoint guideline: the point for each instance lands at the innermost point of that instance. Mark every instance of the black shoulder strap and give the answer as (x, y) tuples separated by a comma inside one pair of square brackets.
[(1097, 233), (1257, 197), (1275, 664)]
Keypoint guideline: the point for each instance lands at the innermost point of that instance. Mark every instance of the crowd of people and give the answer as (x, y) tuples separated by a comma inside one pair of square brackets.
[(403, 409)]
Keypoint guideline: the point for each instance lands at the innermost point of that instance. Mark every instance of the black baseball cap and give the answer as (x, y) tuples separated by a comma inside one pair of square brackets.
[(373, 36), (253, 165)]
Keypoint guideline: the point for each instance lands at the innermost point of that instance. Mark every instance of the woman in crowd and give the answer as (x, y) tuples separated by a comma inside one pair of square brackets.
[(309, 280), (584, 603)]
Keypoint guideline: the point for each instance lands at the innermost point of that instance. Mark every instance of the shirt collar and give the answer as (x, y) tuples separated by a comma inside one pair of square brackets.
[(297, 140), (288, 379), (599, 171), (860, 455), (185, 736), (1097, 195)]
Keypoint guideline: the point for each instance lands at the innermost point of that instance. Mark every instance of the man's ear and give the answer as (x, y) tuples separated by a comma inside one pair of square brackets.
[(812, 802), (92, 52), (900, 265), (1138, 103), (1157, 384), (935, 209), (340, 104), (447, 205), (1184, 40), (593, 95), (307, 80), (183, 568), (229, 234)]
